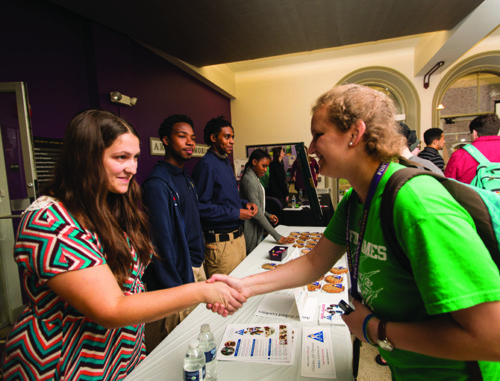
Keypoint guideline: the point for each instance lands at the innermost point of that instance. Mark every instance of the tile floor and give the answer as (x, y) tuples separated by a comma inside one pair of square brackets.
[(369, 370)]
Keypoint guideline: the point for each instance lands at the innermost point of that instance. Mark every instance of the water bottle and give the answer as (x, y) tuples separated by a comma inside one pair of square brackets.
[(208, 346), (293, 201), (300, 195), (194, 363)]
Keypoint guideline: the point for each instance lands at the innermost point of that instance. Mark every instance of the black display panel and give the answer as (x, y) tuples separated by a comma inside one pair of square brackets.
[(305, 170)]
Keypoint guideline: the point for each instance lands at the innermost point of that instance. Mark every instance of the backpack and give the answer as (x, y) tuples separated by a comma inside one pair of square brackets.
[(482, 205), (487, 174)]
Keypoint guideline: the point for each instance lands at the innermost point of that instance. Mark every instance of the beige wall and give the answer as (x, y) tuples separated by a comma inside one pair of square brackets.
[(272, 104)]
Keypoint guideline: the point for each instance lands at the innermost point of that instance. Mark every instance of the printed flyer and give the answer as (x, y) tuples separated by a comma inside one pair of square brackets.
[(330, 313), (266, 343), (317, 353)]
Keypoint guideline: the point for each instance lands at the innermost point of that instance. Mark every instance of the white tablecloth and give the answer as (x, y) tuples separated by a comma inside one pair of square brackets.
[(165, 362)]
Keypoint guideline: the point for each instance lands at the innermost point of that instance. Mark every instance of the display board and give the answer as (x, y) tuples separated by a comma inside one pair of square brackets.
[(305, 170)]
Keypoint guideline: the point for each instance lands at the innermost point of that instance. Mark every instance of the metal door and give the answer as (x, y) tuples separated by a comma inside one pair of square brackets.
[(17, 189)]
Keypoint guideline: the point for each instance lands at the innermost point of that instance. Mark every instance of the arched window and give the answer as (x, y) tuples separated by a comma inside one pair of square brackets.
[(469, 96), (469, 89), (400, 111), (395, 85)]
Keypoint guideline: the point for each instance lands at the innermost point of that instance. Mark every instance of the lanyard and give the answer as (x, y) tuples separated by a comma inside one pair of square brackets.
[(354, 259)]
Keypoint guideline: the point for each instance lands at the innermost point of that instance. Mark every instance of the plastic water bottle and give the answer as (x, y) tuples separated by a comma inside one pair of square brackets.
[(300, 195), (294, 201), (208, 346), (194, 363)]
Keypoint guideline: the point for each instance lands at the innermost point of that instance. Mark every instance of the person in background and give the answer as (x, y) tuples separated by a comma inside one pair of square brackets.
[(82, 249), (296, 174), (429, 323), (277, 186), (412, 142), (416, 147), (484, 132), (222, 211), (170, 198), (434, 140), (252, 190)]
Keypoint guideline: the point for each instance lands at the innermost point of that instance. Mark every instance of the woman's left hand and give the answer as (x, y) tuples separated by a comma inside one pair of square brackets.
[(355, 320), (274, 220)]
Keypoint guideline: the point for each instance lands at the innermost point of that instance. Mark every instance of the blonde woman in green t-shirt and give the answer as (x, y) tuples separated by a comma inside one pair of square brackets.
[(427, 322)]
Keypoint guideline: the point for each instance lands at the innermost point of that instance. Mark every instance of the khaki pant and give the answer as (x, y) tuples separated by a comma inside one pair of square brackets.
[(223, 257), (156, 331)]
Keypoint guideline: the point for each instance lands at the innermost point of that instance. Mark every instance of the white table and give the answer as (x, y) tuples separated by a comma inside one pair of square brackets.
[(165, 362)]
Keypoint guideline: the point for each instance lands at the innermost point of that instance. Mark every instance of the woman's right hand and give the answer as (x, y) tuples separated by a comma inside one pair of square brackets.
[(222, 298)]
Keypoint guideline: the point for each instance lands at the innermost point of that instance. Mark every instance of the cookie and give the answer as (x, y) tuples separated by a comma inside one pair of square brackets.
[(313, 286), (334, 279), (305, 251), (333, 288), (298, 245), (269, 266), (338, 270)]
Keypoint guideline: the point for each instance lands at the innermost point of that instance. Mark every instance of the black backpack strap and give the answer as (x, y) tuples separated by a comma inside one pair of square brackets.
[(394, 184), (474, 371), (465, 195)]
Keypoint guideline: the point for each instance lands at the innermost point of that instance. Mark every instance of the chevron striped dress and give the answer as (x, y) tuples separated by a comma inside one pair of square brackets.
[(51, 340)]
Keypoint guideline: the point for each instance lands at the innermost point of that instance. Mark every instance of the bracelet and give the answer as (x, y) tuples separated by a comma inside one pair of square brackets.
[(365, 328)]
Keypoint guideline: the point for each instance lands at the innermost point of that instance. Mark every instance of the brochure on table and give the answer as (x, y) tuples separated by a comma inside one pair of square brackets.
[(265, 343)]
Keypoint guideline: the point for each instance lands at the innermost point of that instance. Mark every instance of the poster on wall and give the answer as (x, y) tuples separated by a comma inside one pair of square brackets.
[(157, 149)]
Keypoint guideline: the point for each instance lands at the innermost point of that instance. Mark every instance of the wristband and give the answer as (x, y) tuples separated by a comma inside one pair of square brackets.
[(365, 328)]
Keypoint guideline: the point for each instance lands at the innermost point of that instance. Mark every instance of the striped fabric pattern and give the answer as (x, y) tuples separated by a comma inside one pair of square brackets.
[(51, 340)]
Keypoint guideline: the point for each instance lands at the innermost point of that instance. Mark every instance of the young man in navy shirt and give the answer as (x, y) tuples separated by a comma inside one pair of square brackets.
[(170, 197), (222, 211)]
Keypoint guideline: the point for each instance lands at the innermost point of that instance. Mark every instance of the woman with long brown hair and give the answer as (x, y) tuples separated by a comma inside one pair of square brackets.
[(82, 248)]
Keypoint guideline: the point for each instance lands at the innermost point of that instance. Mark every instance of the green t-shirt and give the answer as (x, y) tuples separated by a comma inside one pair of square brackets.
[(452, 268)]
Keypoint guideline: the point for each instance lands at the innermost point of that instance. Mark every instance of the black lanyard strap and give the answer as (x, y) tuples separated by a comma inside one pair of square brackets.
[(353, 259)]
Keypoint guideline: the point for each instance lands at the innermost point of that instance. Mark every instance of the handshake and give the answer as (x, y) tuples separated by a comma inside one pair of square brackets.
[(226, 294)]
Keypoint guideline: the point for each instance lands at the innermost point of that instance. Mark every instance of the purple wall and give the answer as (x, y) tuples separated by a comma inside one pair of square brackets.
[(70, 63)]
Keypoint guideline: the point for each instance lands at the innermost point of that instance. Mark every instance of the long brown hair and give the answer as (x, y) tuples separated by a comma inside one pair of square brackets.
[(80, 182)]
